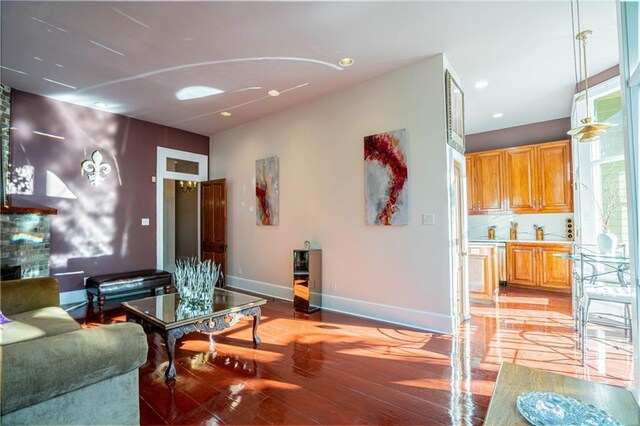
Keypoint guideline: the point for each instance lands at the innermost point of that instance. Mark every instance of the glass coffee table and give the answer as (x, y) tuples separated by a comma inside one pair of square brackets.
[(172, 318)]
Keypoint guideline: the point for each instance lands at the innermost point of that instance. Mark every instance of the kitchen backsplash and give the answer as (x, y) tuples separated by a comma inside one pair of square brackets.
[(552, 223)]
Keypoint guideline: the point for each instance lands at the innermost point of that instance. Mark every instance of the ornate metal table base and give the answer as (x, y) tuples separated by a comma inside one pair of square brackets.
[(207, 325)]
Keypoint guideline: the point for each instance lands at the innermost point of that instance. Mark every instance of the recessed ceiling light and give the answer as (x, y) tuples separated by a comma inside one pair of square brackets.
[(481, 84), (195, 92), (101, 104), (498, 115), (38, 59), (225, 114), (346, 62), (273, 93)]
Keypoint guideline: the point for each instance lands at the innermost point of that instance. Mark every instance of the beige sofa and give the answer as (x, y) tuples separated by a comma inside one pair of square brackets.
[(55, 372)]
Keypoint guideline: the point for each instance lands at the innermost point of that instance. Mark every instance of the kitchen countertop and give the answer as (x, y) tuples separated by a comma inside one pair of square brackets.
[(486, 240)]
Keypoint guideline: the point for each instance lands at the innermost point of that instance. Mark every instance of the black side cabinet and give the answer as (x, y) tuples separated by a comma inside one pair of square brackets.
[(307, 280)]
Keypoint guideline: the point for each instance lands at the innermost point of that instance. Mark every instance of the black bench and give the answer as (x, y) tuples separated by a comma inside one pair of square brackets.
[(121, 283)]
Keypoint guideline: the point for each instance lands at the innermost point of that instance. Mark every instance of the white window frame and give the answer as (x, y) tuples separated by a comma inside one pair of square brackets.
[(161, 174), (628, 19), (586, 157)]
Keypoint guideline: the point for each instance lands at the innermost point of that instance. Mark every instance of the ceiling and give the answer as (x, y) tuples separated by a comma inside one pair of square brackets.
[(135, 56)]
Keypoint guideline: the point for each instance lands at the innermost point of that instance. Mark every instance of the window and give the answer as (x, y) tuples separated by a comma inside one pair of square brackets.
[(608, 169)]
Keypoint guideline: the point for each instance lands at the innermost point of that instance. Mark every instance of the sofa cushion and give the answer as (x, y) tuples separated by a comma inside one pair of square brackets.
[(28, 294), (36, 370), (49, 321)]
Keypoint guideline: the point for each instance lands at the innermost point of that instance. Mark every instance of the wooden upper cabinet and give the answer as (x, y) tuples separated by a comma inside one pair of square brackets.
[(485, 182), (471, 183), (489, 190), (556, 177), (521, 180)]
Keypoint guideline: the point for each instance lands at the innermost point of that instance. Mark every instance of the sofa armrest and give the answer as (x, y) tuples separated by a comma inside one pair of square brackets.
[(28, 294), (37, 370)]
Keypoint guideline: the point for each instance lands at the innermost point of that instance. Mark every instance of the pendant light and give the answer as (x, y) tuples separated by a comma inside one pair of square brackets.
[(590, 130)]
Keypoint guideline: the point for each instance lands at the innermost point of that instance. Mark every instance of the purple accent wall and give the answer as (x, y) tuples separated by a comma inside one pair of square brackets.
[(97, 229), (528, 134), (601, 77)]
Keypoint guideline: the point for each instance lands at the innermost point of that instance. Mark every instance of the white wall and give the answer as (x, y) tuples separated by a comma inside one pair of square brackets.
[(401, 273)]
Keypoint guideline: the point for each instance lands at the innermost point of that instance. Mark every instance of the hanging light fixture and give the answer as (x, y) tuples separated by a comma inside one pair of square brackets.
[(590, 130), (188, 187)]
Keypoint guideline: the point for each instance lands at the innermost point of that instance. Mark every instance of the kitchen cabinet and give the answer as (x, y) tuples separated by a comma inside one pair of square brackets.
[(534, 265), (555, 177), (539, 178), (483, 272), (485, 190), (528, 179)]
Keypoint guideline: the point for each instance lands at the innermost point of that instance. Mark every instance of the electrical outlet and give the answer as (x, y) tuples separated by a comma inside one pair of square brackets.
[(334, 287), (240, 271), (145, 221)]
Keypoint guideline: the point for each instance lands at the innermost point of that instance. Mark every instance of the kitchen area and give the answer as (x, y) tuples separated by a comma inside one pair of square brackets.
[(520, 217)]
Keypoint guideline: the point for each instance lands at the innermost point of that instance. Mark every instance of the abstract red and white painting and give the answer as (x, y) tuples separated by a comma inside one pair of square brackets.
[(386, 178), (267, 195)]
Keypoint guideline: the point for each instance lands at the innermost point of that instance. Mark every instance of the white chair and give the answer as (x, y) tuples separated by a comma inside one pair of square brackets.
[(620, 294)]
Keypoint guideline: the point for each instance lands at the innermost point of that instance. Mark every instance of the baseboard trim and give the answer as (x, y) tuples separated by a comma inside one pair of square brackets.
[(423, 320)]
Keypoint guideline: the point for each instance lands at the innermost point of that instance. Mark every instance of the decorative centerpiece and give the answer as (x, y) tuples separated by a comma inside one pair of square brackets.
[(550, 408), (195, 281)]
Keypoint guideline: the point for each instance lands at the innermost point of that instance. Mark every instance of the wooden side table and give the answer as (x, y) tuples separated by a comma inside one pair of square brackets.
[(515, 379)]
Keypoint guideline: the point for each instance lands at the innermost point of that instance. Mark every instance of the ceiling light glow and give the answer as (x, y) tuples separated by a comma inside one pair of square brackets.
[(273, 93), (481, 84), (498, 115), (195, 92), (57, 82), (101, 104), (38, 59), (346, 62), (225, 114)]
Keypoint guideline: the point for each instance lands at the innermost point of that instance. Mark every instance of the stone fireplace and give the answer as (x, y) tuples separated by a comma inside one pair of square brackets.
[(25, 235), (25, 232)]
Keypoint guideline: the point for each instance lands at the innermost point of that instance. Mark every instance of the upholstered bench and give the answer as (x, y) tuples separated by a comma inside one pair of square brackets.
[(127, 282)]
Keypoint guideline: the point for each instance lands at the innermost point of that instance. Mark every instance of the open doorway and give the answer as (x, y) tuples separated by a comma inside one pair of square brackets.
[(178, 178), (180, 222)]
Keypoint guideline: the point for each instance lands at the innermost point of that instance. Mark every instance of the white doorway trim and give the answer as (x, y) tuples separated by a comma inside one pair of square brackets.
[(161, 174)]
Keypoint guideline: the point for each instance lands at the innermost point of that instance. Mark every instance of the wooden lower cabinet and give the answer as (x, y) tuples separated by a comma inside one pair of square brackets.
[(534, 265), (483, 272)]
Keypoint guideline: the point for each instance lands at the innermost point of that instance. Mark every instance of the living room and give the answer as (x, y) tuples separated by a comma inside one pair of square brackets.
[(389, 295)]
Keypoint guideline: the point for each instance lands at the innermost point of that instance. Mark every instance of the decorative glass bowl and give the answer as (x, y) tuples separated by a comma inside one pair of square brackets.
[(550, 408)]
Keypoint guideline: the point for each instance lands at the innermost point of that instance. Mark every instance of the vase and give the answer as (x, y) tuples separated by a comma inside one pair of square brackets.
[(607, 243)]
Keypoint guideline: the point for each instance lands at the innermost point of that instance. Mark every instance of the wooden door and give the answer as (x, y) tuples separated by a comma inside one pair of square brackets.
[(483, 272), (555, 273), (556, 178), (490, 194), (520, 173), (522, 264), (471, 183), (213, 226)]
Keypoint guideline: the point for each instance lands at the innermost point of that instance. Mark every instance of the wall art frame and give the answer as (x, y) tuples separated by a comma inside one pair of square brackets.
[(455, 113)]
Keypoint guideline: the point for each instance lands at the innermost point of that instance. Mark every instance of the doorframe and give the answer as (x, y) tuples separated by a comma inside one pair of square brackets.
[(459, 166), (161, 174)]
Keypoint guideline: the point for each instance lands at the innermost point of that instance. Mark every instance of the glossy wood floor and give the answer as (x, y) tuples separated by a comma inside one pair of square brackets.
[(334, 369)]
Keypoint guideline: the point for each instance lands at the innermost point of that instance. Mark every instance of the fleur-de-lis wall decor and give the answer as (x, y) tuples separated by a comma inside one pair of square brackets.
[(96, 170)]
